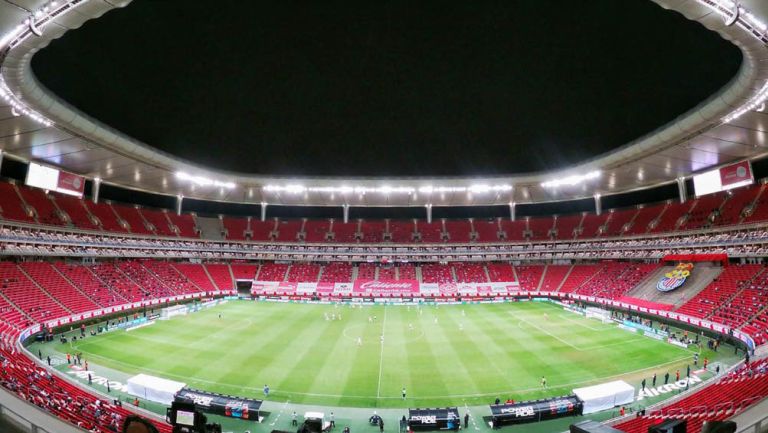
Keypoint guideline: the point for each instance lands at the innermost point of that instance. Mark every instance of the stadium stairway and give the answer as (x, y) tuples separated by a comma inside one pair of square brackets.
[(210, 228), (700, 278)]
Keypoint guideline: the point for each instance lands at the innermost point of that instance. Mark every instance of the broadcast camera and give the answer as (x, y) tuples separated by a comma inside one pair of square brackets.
[(186, 419)]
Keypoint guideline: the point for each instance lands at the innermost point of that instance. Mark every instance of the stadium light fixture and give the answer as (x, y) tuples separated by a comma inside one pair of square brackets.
[(204, 181), (34, 24), (571, 180)]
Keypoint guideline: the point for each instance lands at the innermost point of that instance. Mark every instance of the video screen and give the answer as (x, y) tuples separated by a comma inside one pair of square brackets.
[(184, 417)]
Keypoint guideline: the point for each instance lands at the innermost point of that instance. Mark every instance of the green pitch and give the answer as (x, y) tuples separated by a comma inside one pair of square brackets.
[(447, 355)]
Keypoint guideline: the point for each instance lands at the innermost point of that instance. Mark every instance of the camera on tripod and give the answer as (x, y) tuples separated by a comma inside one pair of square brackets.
[(186, 419)]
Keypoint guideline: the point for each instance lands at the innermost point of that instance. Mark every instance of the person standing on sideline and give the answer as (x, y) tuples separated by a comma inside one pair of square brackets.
[(109, 390), (466, 420), (381, 425), (39, 354), (642, 385), (653, 382), (706, 362), (403, 393), (48, 358), (266, 390), (69, 358), (677, 375), (666, 378), (294, 419), (90, 379), (333, 420)]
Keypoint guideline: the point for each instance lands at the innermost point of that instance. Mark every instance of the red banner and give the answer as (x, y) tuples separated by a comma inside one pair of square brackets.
[(386, 287), (71, 182), (737, 173)]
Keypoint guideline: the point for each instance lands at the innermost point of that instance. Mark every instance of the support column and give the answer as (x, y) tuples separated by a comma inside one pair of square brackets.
[(345, 208), (512, 211), (598, 204), (429, 213), (263, 211), (179, 199), (95, 189), (681, 189), (1, 159)]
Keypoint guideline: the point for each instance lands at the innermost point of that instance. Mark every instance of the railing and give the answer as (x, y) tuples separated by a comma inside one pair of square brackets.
[(760, 426)]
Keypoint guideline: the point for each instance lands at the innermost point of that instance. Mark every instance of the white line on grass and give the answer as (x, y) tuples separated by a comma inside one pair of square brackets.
[(281, 411), (471, 417), (581, 324), (549, 333), (381, 355), (311, 394)]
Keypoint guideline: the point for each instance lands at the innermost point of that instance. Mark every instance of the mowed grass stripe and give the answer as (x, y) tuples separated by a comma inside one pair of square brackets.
[(310, 360)]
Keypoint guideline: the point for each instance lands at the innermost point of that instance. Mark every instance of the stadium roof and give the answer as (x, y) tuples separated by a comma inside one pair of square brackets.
[(727, 127)]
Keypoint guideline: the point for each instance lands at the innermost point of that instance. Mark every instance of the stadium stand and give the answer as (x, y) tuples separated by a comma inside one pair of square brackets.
[(500, 272), (617, 221), (513, 230), (553, 277), (221, 275), (132, 216), (85, 280), (643, 219), (184, 224), (367, 271), (720, 291), (262, 230), (24, 293), (196, 273), (11, 205), (272, 272), (458, 230), (591, 225), (235, 228), (373, 231), (303, 273), (386, 273), (316, 230), (529, 276), (44, 208), (46, 276), (402, 231), (75, 209), (431, 233), (470, 272), (242, 271), (738, 200), (702, 210), (406, 272), (487, 230), (670, 217), (337, 272), (159, 222), (567, 225), (288, 231), (112, 277), (344, 232), (106, 216), (721, 400), (436, 273), (540, 228), (578, 275)]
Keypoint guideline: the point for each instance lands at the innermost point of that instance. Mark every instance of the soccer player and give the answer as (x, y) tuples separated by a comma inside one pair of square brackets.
[(382, 338), (403, 393), (435, 320), (359, 341), (266, 390), (543, 382)]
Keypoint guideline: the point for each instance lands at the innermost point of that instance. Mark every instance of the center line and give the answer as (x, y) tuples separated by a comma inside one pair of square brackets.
[(381, 355)]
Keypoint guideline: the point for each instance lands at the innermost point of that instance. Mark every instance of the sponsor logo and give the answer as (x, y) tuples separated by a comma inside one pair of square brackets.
[(99, 380), (201, 400), (670, 387), (675, 278), (520, 412), (379, 285), (425, 419)]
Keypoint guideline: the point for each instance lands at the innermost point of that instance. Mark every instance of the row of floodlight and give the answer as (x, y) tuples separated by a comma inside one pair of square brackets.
[(294, 188)]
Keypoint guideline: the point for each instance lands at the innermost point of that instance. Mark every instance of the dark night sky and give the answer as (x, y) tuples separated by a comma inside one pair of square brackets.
[(387, 88)]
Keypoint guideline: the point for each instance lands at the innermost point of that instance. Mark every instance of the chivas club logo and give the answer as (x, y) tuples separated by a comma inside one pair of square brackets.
[(675, 278)]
